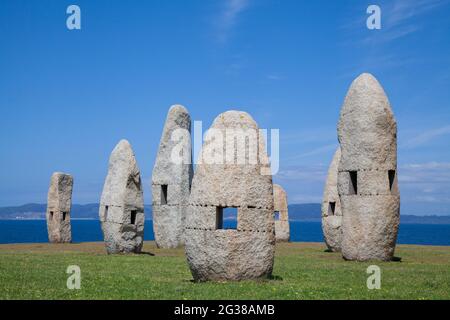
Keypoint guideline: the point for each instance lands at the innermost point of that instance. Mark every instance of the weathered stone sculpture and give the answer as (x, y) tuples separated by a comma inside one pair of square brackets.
[(59, 203), (367, 178), (171, 179), (280, 207), (331, 208), (231, 176), (122, 203)]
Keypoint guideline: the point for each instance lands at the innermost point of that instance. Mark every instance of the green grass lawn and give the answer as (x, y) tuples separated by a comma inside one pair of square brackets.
[(301, 271)]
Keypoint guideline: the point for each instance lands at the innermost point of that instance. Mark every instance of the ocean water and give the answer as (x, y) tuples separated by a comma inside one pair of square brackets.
[(29, 231)]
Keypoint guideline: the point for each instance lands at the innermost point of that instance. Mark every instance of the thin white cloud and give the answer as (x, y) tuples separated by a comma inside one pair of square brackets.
[(316, 173), (425, 182), (316, 151), (317, 135), (229, 16), (274, 77), (427, 166), (303, 183), (300, 198), (394, 34), (377, 62), (403, 10), (400, 18), (425, 137)]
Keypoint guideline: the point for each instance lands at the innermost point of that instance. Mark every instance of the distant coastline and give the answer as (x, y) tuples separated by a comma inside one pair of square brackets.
[(308, 212)]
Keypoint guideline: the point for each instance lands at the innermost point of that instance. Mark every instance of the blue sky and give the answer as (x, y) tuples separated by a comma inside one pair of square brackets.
[(67, 97)]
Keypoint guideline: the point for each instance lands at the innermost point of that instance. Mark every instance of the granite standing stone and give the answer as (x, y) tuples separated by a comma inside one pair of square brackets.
[(280, 207), (171, 179), (247, 252), (331, 208), (367, 177), (59, 203), (122, 203)]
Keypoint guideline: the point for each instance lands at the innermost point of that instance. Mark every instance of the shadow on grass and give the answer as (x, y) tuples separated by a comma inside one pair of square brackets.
[(270, 278), (394, 259), (147, 253)]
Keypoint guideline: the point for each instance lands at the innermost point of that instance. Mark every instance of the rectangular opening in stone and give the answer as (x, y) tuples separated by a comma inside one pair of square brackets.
[(391, 179), (133, 216), (51, 215), (226, 218), (276, 215), (353, 183), (164, 194), (106, 213), (331, 208), (64, 216)]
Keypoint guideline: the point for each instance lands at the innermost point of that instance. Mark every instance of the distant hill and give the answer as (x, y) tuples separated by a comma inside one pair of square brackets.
[(297, 212), (37, 211)]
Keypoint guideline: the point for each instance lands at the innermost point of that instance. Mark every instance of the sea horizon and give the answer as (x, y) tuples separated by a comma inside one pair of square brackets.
[(89, 230)]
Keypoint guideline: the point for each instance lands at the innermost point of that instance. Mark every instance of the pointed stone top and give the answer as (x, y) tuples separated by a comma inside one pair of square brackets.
[(366, 93), (367, 128), (123, 157), (178, 108), (278, 188), (243, 180), (177, 117), (122, 150), (124, 143), (234, 119), (58, 173), (176, 134), (365, 77), (367, 84), (122, 169)]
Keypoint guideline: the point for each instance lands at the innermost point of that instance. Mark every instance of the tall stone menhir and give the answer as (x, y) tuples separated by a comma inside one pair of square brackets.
[(171, 179), (280, 207), (367, 178), (122, 203), (231, 178), (331, 207), (59, 203)]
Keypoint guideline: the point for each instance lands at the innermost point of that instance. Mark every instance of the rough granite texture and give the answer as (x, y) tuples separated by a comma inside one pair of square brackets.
[(170, 205), (248, 251), (59, 203), (331, 207), (280, 205), (367, 177), (122, 203)]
